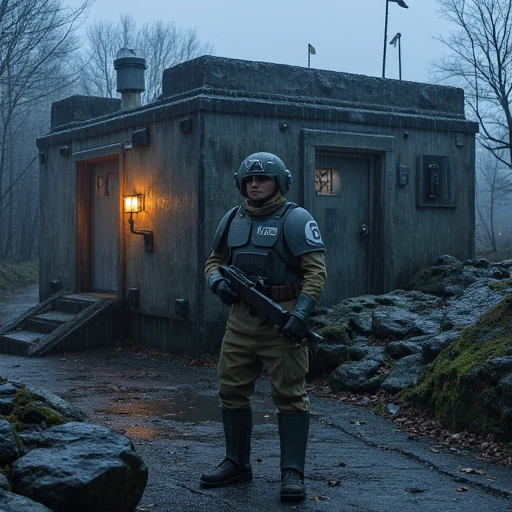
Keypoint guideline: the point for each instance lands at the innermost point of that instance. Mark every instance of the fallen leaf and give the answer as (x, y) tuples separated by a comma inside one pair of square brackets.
[(473, 471), (333, 483), (463, 489)]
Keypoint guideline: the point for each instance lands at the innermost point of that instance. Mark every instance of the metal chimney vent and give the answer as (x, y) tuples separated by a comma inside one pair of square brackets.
[(130, 66)]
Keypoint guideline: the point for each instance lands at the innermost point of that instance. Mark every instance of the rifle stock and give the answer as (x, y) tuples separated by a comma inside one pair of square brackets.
[(270, 312)]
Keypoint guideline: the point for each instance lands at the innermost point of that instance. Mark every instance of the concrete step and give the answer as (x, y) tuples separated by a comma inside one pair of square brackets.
[(18, 343), (70, 305), (88, 320), (24, 336), (47, 322), (59, 317)]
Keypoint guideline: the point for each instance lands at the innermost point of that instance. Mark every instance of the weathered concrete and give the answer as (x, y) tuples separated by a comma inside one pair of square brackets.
[(389, 139)]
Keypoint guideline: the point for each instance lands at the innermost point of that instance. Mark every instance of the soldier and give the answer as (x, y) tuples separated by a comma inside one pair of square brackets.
[(269, 237)]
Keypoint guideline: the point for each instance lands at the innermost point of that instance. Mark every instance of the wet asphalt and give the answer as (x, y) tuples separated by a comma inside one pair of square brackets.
[(356, 461)]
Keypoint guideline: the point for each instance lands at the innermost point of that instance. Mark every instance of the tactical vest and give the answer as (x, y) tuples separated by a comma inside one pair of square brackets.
[(269, 246)]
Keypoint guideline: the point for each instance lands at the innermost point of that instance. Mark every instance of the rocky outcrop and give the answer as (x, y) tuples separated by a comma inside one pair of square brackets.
[(469, 386), (387, 341), (58, 462)]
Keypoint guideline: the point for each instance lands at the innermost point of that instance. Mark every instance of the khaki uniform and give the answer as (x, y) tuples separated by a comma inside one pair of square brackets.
[(250, 346)]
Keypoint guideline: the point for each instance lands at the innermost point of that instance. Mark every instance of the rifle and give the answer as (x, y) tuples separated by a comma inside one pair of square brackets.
[(249, 289)]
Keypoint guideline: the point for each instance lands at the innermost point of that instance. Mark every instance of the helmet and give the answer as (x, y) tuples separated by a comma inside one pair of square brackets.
[(263, 164)]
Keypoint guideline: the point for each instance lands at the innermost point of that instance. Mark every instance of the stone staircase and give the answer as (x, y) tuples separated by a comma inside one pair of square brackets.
[(66, 322)]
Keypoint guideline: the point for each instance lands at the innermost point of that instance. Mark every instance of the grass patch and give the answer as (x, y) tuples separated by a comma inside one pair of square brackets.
[(14, 274)]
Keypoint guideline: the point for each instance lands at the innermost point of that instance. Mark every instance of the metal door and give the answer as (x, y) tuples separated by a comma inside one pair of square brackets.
[(338, 193), (105, 226)]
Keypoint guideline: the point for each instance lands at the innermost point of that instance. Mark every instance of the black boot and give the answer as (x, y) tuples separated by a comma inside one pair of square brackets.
[(293, 434), (236, 467)]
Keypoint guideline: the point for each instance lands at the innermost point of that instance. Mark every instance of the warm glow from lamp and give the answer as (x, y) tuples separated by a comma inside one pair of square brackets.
[(134, 203)]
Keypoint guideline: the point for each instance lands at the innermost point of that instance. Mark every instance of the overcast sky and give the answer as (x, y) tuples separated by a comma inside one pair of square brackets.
[(348, 35)]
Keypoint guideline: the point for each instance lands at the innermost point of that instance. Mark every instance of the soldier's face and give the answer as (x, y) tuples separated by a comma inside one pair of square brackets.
[(260, 187)]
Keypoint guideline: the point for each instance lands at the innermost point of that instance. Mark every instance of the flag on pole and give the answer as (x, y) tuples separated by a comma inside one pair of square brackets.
[(401, 3), (312, 51)]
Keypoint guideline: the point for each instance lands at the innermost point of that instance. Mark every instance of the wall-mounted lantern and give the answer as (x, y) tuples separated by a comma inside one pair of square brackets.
[(135, 204)]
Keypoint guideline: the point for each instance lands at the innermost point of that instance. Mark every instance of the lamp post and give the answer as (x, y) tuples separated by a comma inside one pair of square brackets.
[(401, 3), (398, 38)]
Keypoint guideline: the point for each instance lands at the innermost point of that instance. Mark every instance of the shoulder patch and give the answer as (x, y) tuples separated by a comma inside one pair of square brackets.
[(313, 236), (302, 233)]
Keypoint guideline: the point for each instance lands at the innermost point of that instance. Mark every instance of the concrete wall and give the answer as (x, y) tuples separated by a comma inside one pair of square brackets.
[(213, 113)]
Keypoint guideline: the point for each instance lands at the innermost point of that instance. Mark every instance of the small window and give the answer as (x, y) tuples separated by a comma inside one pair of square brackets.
[(327, 181)]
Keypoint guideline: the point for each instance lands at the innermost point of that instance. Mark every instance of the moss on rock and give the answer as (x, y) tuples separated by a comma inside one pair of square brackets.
[(433, 280), (468, 386), (30, 408), (335, 334)]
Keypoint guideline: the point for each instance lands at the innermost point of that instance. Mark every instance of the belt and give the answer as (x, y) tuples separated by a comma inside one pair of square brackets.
[(280, 292)]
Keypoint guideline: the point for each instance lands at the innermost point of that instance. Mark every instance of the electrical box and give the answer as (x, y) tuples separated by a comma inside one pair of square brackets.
[(403, 175), (435, 181)]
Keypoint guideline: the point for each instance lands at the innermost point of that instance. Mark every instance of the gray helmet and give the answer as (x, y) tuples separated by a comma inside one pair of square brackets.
[(263, 164)]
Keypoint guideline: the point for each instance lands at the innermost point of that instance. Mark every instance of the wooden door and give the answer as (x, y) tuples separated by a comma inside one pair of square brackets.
[(104, 195)]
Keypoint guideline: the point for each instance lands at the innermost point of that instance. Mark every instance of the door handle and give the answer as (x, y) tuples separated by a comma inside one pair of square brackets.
[(363, 233)]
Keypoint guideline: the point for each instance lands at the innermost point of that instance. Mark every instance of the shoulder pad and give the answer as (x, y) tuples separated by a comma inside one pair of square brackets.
[(301, 232), (223, 228)]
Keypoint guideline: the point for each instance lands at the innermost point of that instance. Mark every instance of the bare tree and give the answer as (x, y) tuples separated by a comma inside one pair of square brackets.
[(162, 44), (104, 39), (494, 191), (480, 61), (36, 36)]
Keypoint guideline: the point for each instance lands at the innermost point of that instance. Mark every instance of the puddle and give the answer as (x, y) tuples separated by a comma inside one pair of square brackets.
[(186, 407)]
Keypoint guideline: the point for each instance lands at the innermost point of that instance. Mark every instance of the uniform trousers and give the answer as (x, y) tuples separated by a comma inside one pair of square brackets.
[(245, 355)]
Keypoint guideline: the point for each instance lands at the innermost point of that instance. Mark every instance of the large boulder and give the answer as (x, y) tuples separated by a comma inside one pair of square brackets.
[(469, 385), (57, 462), (28, 406), (325, 358), (10, 443), (80, 467), (359, 377), (405, 374), (10, 502)]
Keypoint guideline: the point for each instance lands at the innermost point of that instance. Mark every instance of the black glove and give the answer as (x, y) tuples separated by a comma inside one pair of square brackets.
[(221, 288), (296, 326), (226, 294), (294, 329)]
